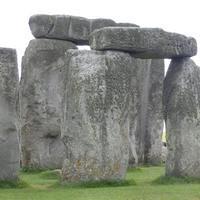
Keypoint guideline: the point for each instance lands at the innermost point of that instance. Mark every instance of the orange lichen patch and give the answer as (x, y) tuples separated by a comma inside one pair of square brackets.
[(116, 166), (78, 164)]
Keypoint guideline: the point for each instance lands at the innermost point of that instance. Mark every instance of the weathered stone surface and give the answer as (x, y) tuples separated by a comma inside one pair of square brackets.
[(146, 119), (164, 154), (65, 27), (41, 92), (125, 25), (103, 89), (143, 42), (41, 25), (95, 127), (155, 119), (182, 107), (9, 141), (100, 23)]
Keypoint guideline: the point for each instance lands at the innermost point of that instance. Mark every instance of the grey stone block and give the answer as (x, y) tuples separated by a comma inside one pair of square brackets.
[(146, 117), (95, 126), (182, 107), (100, 23), (66, 27), (108, 96), (41, 91), (63, 27), (145, 43), (9, 140)]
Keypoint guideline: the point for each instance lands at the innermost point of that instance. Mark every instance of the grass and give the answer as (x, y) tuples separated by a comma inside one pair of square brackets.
[(98, 184), (50, 174), (166, 180), (146, 183), (32, 170), (13, 184)]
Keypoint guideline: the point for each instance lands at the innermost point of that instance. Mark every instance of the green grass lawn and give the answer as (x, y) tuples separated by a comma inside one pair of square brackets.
[(147, 185)]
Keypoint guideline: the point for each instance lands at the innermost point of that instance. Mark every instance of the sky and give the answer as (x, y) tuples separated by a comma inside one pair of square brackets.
[(181, 16)]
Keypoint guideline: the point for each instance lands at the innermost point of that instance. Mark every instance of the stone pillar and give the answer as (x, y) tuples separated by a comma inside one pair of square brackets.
[(95, 126), (154, 129), (41, 91), (9, 141), (182, 115), (146, 118)]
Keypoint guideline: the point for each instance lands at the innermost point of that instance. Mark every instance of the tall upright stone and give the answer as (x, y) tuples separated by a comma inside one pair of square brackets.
[(182, 115), (112, 106), (146, 119), (9, 141), (95, 127), (155, 120), (41, 93)]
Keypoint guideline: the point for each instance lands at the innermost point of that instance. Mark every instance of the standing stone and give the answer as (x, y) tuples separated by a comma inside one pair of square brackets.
[(40, 101), (146, 119), (182, 116), (145, 43), (9, 141), (95, 126), (102, 88), (154, 129)]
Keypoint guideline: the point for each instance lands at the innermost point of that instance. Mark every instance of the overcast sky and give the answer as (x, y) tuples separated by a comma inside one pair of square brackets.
[(180, 16)]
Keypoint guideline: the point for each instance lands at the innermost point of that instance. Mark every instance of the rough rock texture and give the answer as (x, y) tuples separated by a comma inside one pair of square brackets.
[(65, 27), (182, 114), (108, 94), (155, 119), (95, 126), (9, 141), (164, 154), (125, 25), (41, 92), (146, 119), (100, 23), (143, 42)]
